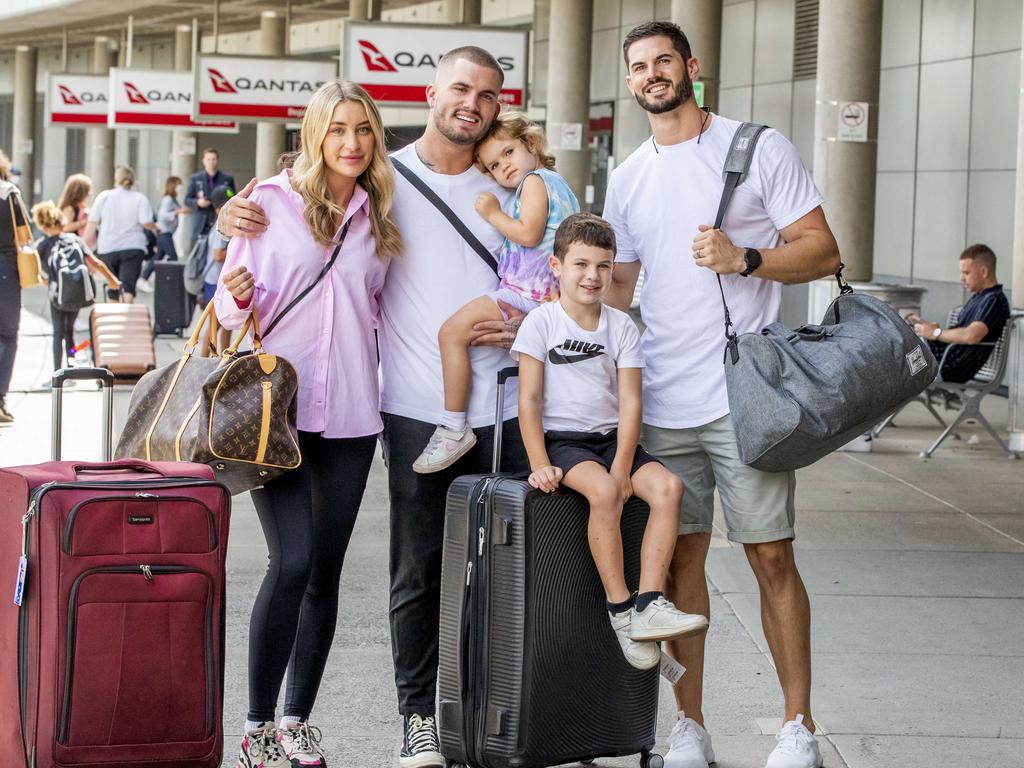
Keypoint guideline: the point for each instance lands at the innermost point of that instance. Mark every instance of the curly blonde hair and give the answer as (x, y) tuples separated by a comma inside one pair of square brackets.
[(46, 215), (516, 125), (309, 171)]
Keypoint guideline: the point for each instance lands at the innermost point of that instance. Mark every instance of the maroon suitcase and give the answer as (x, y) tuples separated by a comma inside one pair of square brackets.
[(115, 655)]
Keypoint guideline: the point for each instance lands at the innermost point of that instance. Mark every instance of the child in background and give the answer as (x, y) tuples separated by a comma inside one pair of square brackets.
[(580, 410), (60, 252), (515, 153), (166, 225)]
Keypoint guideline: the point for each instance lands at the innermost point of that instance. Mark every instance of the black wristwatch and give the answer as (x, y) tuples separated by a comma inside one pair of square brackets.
[(752, 258)]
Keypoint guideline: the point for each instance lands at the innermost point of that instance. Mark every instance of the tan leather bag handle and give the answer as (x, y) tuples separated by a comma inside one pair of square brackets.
[(251, 322)]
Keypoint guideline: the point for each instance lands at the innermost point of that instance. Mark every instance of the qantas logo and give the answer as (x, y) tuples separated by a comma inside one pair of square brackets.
[(68, 96), (134, 94), (220, 83), (375, 60), (72, 99), (582, 350)]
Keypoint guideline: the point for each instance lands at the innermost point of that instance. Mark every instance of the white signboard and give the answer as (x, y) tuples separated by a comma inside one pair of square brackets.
[(249, 88), (76, 99), (395, 62), (853, 121), (150, 98)]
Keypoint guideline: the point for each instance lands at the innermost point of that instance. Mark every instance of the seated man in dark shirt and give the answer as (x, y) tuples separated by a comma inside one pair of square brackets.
[(981, 320)]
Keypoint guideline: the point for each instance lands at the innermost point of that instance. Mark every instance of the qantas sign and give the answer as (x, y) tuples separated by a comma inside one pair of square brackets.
[(76, 99), (395, 62), (251, 88), (147, 98)]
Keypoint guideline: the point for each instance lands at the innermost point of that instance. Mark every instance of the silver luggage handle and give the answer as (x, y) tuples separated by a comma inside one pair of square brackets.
[(106, 378), (503, 376)]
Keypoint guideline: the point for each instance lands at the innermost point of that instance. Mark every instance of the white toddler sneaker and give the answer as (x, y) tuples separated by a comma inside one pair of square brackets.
[(444, 449), (795, 747), (661, 621), (640, 655), (689, 745)]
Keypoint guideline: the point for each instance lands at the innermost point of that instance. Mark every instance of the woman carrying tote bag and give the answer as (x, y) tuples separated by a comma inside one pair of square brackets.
[(12, 216), (331, 227)]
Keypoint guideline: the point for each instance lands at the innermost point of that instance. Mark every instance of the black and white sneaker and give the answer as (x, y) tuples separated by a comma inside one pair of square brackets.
[(420, 748)]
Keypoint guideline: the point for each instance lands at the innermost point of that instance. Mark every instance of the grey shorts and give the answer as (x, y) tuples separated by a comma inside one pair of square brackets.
[(758, 506)]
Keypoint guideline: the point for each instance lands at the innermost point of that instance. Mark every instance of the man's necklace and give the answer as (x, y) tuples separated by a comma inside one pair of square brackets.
[(707, 114)]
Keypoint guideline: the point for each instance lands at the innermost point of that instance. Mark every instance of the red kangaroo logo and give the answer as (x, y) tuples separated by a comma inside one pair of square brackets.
[(135, 96), (68, 96), (375, 60), (220, 83)]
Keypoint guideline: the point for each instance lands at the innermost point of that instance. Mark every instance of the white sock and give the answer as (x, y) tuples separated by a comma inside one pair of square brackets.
[(454, 420), (251, 726), (289, 721)]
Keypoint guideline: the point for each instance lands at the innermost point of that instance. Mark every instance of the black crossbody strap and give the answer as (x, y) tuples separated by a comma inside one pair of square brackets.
[(310, 287), (448, 213)]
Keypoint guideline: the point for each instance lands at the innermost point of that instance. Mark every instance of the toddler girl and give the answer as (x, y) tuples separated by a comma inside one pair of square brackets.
[(515, 153)]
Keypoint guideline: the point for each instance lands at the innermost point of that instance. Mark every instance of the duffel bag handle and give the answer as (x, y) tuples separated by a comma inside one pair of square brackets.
[(810, 333), (118, 466), (209, 317)]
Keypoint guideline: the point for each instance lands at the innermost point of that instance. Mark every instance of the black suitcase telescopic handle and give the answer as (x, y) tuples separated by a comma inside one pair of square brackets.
[(499, 407), (106, 377)]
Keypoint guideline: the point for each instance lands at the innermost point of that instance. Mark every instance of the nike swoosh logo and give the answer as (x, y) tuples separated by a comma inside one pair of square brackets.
[(559, 359)]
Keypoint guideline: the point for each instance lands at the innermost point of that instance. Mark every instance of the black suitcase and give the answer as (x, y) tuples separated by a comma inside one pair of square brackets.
[(530, 672), (172, 306)]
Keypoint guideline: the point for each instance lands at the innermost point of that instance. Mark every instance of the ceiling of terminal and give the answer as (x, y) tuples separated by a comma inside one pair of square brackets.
[(85, 19)]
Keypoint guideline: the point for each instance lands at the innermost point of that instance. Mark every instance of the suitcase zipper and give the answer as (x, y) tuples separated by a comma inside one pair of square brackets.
[(141, 496), (148, 572), (475, 605)]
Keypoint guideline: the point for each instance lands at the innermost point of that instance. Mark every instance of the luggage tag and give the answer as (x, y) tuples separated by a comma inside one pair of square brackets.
[(19, 587), (671, 669)]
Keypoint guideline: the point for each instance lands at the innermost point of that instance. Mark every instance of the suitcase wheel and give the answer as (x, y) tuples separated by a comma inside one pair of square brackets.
[(651, 760)]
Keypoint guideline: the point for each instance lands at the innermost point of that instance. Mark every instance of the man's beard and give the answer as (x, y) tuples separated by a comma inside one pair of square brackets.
[(682, 94), (456, 137)]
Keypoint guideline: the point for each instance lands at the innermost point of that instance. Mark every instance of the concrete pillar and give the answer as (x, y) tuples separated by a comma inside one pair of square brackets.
[(462, 11), (1015, 375), (701, 21), (24, 149), (568, 97), (184, 143), (270, 137), (100, 164), (359, 10), (849, 64)]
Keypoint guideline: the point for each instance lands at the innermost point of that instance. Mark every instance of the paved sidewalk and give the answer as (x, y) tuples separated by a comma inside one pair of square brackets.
[(915, 569)]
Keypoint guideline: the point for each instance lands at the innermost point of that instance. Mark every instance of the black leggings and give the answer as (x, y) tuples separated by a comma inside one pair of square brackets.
[(63, 334), (10, 316), (307, 517)]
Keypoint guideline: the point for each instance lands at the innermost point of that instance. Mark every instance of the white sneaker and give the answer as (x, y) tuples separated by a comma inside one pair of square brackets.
[(661, 620), (144, 284), (444, 449), (262, 749), (302, 745), (689, 745), (640, 655), (795, 747)]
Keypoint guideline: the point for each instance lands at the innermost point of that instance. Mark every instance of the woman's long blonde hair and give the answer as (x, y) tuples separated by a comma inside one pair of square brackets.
[(76, 190), (309, 172)]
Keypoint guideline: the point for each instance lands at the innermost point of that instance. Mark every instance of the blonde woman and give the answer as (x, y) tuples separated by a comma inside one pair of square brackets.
[(12, 216), (73, 201), (332, 228)]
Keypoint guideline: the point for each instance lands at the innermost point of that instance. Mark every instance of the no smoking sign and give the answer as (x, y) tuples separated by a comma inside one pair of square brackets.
[(853, 121)]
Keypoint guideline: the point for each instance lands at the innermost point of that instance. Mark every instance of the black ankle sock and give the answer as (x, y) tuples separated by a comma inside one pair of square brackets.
[(625, 605), (644, 599)]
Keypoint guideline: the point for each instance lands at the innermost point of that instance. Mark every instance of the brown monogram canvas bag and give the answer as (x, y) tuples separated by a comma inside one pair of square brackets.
[(235, 413)]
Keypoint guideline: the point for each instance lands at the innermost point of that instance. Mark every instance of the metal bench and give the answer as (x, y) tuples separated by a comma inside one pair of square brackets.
[(969, 393)]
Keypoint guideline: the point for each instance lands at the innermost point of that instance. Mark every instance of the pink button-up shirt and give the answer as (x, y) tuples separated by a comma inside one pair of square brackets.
[(329, 335)]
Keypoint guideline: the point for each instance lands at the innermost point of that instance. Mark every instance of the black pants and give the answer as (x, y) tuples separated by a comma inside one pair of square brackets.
[(417, 536), (63, 334), (127, 265), (10, 317), (307, 517)]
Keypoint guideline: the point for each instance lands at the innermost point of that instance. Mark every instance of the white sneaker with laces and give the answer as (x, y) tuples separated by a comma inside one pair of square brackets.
[(262, 749), (444, 449), (661, 620), (795, 747), (420, 748), (302, 745), (640, 655), (145, 284), (689, 745)]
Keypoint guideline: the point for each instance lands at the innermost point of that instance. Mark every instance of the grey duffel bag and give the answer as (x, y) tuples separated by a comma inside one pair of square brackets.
[(797, 395)]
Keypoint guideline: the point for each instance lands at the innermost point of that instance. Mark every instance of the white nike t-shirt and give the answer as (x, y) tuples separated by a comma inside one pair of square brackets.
[(581, 382), (437, 273), (655, 201)]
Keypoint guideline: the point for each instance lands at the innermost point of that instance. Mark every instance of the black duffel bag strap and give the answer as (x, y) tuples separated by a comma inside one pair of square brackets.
[(448, 213)]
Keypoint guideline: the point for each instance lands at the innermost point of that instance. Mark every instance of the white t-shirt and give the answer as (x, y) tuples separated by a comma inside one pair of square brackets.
[(437, 273), (581, 382), (655, 201), (121, 212)]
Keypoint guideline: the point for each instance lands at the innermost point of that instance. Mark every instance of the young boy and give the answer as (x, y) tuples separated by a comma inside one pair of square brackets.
[(580, 415)]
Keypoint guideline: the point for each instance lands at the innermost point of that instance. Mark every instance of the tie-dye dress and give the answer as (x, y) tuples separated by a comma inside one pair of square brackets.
[(525, 270)]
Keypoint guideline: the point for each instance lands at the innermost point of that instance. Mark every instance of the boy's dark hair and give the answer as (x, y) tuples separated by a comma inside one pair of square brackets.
[(585, 228), (210, 151), (658, 29), (982, 254), (475, 55), (221, 195)]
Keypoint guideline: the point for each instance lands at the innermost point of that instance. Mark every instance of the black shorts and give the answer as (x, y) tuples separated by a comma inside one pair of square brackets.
[(126, 265), (567, 449)]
